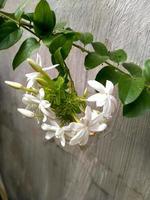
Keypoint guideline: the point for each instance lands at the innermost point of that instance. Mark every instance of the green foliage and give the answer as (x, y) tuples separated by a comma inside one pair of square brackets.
[(93, 59), (65, 104), (109, 73), (86, 38), (146, 71), (130, 88), (20, 10), (25, 51), (28, 16), (44, 19), (100, 48), (9, 34), (2, 3), (139, 106), (133, 69), (133, 82), (57, 42), (118, 56)]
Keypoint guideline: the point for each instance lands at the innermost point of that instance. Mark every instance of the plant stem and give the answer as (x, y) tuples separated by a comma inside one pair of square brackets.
[(81, 48), (106, 62)]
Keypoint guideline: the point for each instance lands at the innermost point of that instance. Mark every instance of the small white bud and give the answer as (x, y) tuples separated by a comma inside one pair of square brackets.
[(26, 113), (14, 84)]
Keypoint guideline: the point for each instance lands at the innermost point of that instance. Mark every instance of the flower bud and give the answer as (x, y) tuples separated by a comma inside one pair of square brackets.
[(14, 84), (26, 113)]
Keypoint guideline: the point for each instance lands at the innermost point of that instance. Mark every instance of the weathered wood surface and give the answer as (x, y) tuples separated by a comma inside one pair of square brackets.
[(114, 167)]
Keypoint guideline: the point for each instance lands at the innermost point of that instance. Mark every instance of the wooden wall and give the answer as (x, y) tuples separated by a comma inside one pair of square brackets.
[(114, 167)]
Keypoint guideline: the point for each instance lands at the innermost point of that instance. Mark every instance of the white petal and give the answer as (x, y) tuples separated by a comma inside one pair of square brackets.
[(59, 132), (109, 87), (88, 113), (97, 86), (31, 98), (30, 83), (84, 140), (38, 59), (49, 135), (32, 75), (107, 109), (62, 141), (47, 127), (26, 113), (48, 112), (44, 118), (74, 126), (98, 98), (114, 102), (41, 93), (99, 128), (77, 138), (49, 68), (45, 103)]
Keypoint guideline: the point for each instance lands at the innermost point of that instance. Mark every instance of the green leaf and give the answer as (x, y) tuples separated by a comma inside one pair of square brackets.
[(86, 38), (25, 51), (100, 48), (58, 59), (118, 56), (44, 19), (133, 69), (2, 3), (108, 73), (130, 88), (146, 70), (93, 59), (20, 10), (139, 106), (66, 48), (28, 16), (9, 35), (57, 42)]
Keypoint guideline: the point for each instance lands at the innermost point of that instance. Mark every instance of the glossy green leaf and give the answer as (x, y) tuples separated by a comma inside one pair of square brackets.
[(100, 48), (25, 51), (133, 69), (44, 19), (2, 3), (66, 48), (86, 38), (108, 73), (118, 56), (130, 88), (139, 106), (10, 33), (146, 70), (93, 59), (57, 42)]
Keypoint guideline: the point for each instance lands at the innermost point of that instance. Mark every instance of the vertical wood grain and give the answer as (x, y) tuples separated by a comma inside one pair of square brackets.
[(114, 167)]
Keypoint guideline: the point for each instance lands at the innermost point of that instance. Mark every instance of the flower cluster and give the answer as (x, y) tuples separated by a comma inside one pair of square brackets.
[(44, 96)]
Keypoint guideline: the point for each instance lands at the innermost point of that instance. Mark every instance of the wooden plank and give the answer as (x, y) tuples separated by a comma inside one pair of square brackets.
[(112, 167)]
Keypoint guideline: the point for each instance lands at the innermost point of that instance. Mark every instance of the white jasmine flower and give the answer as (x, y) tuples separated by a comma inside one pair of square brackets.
[(31, 77), (104, 97), (38, 105), (26, 113), (54, 131), (90, 123)]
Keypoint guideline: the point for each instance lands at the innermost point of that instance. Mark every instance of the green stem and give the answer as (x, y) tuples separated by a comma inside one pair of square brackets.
[(8, 16), (106, 62)]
